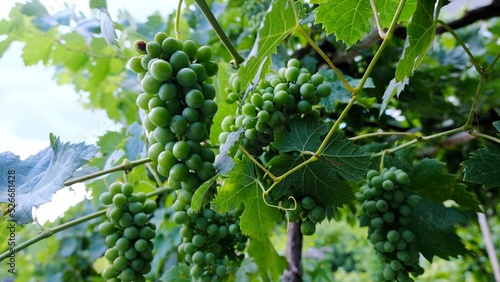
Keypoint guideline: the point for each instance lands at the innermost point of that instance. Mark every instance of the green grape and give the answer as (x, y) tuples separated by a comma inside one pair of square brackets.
[(308, 203), (304, 107), (211, 68), (141, 245), (204, 54), (180, 217), (126, 220), (198, 240), (221, 270), (122, 244), (106, 198), (389, 217), (163, 135), (140, 219), (389, 247), (190, 48), (127, 275), (194, 99), (317, 79), (131, 232), (149, 206), (317, 214), (396, 265), (186, 77), (160, 36), (178, 124), (388, 185), (205, 171), (193, 161), (376, 237), (155, 102), (377, 222), (139, 46), (154, 151), (146, 233), (143, 100), (402, 178), (111, 254), (398, 196), (370, 206), (198, 258), (382, 205), (135, 207), (292, 73), (389, 273), (196, 271), (159, 116), (408, 236), (403, 256), (196, 131), (119, 200), (393, 236), (111, 239), (414, 201), (127, 189), (307, 90), (280, 98), (167, 92), (293, 63), (135, 65), (170, 45), (405, 210), (200, 71), (308, 227), (106, 228), (153, 49), (181, 150), (150, 85), (377, 182), (130, 254), (179, 172), (161, 70)]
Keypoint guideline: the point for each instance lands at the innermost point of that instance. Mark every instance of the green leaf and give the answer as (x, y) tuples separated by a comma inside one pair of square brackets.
[(269, 263), (107, 25), (435, 235), (178, 273), (340, 155), (96, 4), (39, 176), (71, 54), (246, 271), (394, 88), (349, 20), (37, 49), (429, 179), (278, 23), (201, 196), (242, 187), (496, 124), (483, 167), (387, 9), (421, 31), (224, 109), (317, 180)]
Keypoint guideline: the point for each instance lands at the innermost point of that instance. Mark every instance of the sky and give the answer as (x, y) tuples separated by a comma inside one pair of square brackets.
[(33, 105)]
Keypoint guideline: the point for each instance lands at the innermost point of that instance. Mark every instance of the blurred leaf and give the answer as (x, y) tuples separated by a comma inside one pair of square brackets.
[(39, 176), (483, 167), (394, 88), (269, 263), (224, 161), (200, 197), (179, 273), (38, 49), (247, 271)]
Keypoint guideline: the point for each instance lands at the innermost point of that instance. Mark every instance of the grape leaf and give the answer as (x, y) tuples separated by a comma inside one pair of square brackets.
[(39, 176), (38, 49), (387, 9), (394, 88), (341, 155), (421, 31), (242, 187), (107, 25), (200, 197), (178, 273), (429, 179), (246, 271), (278, 23), (269, 263), (496, 124), (349, 20), (317, 180), (433, 226), (483, 167)]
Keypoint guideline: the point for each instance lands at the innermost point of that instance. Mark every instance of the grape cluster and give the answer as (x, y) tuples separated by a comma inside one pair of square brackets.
[(387, 210), (209, 241), (178, 101), (128, 233), (293, 91), (307, 211)]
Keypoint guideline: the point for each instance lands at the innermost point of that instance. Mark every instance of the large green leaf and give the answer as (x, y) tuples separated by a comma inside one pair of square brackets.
[(317, 180), (269, 263), (429, 179), (435, 235), (421, 31), (387, 9), (37, 49), (483, 167), (242, 187), (349, 20), (278, 23), (340, 155)]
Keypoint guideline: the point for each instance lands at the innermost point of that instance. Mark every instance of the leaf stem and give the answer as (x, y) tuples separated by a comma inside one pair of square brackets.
[(286, 174), (385, 41), (266, 171), (205, 9), (126, 165), (46, 233), (479, 90), (417, 139), (478, 134), (489, 69), (177, 20), (373, 134), (381, 32), (476, 64), (327, 60)]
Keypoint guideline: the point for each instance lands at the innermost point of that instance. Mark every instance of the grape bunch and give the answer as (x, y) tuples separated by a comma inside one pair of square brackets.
[(128, 233), (209, 241), (307, 211), (387, 210), (178, 100), (293, 91)]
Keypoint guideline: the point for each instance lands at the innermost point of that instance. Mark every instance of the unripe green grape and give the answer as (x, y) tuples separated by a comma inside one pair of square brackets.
[(140, 219), (405, 210), (205, 171), (389, 247), (127, 275), (388, 273), (209, 108), (106, 198), (382, 205), (204, 54), (370, 206), (135, 207), (106, 228), (408, 236), (317, 79), (150, 85), (115, 213), (405, 220), (389, 217), (196, 131), (201, 223), (178, 124), (403, 256), (398, 196), (227, 122), (401, 245), (186, 77), (130, 254), (303, 78), (155, 102), (376, 237), (154, 151), (292, 73), (293, 63), (111, 254), (119, 200), (198, 240), (388, 185), (307, 90), (143, 100), (414, 201), (190, 48), (211, 68), (170, 45), (179, 60), (280, 98), (161, 70), (200, 71), (207, 155), (135, 65), (181, 150), (159, 116), (179, 172), (393, 236), (308, 227), (223, 231), (377, 181), (153, 49), (111, 239), (180, 217), (127, 189), (196, 271), (371, 174), (145, 61), (160, 36), (268, 106), (377, 222), (308, 203), (208, 91), (198, 258), (126, 220), (304, 107), (251, 134)]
